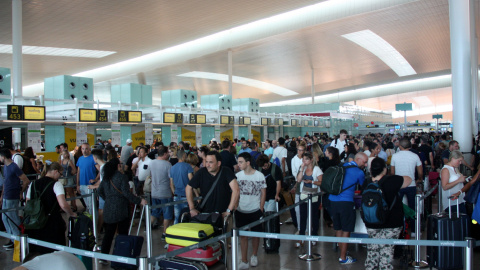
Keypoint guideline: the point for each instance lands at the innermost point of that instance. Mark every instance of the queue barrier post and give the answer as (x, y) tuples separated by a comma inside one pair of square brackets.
[(148, 229), (234, 248), (469, 253), (141, 219), (142, 263), (94, 216), (418, 263), (310, 256), (439, 197), (23, 247)]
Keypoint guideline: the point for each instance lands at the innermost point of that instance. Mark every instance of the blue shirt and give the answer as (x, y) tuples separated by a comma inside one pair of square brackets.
[(352, 176), (383, 155), (87, 170), (11, 185), (248, 150), (179, 173)]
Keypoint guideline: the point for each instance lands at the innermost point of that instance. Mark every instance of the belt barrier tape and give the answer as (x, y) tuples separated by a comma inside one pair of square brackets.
[(172, 203)]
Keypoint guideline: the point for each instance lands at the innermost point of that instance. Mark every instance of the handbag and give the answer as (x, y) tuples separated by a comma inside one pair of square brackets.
[(472, 194), (147, 186), (307, 191)]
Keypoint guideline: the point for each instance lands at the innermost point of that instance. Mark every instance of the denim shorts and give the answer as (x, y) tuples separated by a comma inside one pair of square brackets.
[(166, 211)]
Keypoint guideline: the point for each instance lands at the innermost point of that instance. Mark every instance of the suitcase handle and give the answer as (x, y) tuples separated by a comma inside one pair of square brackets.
[(450, 207)]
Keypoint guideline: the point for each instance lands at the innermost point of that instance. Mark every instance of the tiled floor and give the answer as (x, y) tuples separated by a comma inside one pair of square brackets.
[(286, 259)]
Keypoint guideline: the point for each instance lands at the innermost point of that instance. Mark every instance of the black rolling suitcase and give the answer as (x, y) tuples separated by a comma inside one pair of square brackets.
[(127, 246), (443, 227), (271, 226), (177, 263)]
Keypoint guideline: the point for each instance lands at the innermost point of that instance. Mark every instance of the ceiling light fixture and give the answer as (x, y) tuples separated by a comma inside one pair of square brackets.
[(383, 50), (51, 51), (240, 80)]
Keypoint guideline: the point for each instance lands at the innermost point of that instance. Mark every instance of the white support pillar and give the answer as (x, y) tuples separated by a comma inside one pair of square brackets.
[(474, 64), (460, 41), (17, 47)]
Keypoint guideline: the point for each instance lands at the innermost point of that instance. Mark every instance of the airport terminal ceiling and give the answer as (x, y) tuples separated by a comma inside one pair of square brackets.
[(418, 30)]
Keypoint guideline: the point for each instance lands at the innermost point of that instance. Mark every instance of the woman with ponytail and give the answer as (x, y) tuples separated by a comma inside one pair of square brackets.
[(53, 199)]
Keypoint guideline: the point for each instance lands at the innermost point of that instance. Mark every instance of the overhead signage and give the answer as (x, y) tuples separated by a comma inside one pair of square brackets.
[(34, 113), (279, 121), (244, 120), (305, 123), (371, 126), (437, 116), (294, 122), (198, 119), (444, 124), (87, 115), (266, 121), (390, 125), (227, 120), (174, 118), (102, 116), (419, 125), (403, 107), (14, 112), (130, 116)]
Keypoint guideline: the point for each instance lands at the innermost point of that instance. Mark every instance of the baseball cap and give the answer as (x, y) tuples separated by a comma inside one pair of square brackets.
[(129, 141)]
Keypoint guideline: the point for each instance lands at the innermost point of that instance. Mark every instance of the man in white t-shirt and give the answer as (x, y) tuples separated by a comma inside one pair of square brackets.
[(142, 166), (17, 158), (280, 152), (404, 163), (340, 142), (250, 206), (296, 163)]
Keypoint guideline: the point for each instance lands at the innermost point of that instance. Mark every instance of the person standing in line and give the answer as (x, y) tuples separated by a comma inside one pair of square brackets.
[(87, 173), (11, 193), (252, 186), (127, 151), (268, 148), (180, 174), (281, 153)]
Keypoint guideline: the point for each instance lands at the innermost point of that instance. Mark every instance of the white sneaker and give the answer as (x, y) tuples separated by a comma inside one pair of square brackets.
[(243, 265), (254, 261)]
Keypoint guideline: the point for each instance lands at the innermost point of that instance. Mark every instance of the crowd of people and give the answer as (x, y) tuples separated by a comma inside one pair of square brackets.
[(241, 177)]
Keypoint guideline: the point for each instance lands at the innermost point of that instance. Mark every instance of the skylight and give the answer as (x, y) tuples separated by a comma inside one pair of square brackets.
[(51, 51), (383, 50), (241, 80)]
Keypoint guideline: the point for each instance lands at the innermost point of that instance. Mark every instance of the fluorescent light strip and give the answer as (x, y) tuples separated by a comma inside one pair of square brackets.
[(241, 80), (383, 50), (351, 93), (51, 51)]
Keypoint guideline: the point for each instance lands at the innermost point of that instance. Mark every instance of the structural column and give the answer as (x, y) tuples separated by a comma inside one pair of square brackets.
[(17, 47), (460, 40)]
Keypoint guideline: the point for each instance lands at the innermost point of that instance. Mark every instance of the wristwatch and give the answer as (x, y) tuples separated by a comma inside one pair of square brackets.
[(228, 210)]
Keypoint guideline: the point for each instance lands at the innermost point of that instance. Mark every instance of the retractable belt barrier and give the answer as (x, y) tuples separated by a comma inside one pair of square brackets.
[(79, 197), (172, 203)]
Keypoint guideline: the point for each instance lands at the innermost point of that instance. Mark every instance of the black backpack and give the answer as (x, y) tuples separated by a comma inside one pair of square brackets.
[(333, 179), (81, 232), (374, 209)]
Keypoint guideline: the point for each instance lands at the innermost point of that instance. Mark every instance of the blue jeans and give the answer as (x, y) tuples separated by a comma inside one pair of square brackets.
[(410, 192), (12, 227), (178, 208)]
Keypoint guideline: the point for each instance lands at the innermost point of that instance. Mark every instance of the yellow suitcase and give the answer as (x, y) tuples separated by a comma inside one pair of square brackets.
[(187, 234)]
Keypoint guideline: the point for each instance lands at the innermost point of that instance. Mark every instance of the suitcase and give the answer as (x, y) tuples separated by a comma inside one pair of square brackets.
[(445, 228), (187, 234), (209, 255), (177, 263), (271, 226), (87, 261), (127, 246)]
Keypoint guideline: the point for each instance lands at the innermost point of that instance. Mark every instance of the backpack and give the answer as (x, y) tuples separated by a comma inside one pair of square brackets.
[(333, 177), (81, 232), (374, 208), (253, 163), (276, 161), (35, 212)]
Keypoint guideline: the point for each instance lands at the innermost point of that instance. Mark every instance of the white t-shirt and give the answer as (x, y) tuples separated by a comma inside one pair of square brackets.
[(405, 163), (340, 145), (18, 159), (133, 162), (250, 191), (447, 193), (296, 163), (143, 172), (316, 173), (57, 188), (280, 152)]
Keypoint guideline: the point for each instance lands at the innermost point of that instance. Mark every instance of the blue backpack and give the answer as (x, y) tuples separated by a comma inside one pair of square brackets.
[(374, 209), (276, 161)]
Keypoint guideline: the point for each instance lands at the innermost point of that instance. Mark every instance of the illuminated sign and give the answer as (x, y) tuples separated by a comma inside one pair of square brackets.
[(266, 121), (371, 126), (34, 113), (279, 121), (174, 118), (419, 125), (102, 116), (87, 115), (198, 119), (227, 120), (305, 122), (14, 112), (130, 116), (243, 120), (294, 122)]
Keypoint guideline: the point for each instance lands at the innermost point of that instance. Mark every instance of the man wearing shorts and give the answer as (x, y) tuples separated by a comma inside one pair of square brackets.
[(98, 158), (253, 190), (342, 207), (161, 192)]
